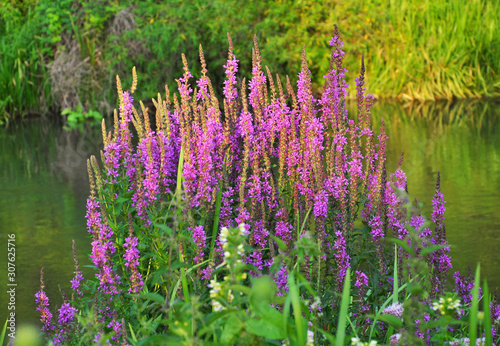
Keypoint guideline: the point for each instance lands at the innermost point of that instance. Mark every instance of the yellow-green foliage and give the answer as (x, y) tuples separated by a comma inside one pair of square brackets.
[(421, 50)]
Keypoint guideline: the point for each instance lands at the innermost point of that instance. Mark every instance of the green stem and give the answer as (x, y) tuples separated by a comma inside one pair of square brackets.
[(215, 227), (180, 167)]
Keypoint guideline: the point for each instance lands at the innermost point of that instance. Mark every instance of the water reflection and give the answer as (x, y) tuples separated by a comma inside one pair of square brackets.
[(43, 188), (461, 141)]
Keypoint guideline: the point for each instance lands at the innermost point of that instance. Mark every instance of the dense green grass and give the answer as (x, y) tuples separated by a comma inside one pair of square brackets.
[(23, 75), (421, 50)]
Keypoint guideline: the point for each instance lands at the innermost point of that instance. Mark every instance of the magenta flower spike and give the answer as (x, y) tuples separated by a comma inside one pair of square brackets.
[(42, 302), (77, 279), (65, 321), (199, 238), (441, 260)]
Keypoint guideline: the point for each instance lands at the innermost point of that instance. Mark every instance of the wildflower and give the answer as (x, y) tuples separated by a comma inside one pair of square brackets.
[(395, 309), (75, 282), (466, 342), (131, 257), (216, 292), (117, 328), (42, 302), (199, 238), (66, 314), (341, 257), (464, 286), (65, 319), (310, 338), (362, 285), (357, 342), (446, 305), (394, 339)]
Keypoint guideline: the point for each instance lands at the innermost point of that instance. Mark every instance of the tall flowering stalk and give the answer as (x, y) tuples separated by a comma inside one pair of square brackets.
[(42, 302), (441, 261), (103, 247), (77, 279), (131, 257), (65, 320)]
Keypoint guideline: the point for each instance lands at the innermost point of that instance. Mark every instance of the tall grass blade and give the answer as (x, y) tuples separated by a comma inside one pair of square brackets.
[(395, 276), (487, 315), (344, 305), (4, 329), (215, 227), (297, 311), (473, 318)]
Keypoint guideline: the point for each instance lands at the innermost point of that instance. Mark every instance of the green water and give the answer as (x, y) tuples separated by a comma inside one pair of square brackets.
[(462, 141), (43, 190)]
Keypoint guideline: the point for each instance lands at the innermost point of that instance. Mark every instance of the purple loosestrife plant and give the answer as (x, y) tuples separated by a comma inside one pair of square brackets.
[(77, 279), (131, 257), (307, 180), (441, 261), (65, 322), (42, 302)]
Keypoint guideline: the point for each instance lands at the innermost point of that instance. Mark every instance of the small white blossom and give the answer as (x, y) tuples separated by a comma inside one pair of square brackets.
[(395, 309), (310, 338)]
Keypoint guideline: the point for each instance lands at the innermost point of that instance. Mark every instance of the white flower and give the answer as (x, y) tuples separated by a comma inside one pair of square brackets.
[(357, 342), (395, 309), (310, 338), (394, 339), (242, 229)]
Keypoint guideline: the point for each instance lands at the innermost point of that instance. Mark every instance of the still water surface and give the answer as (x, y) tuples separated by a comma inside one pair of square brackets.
[(43, 190)]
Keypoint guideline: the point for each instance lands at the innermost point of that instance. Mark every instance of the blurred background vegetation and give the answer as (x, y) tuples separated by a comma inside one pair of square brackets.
[(57, 55)]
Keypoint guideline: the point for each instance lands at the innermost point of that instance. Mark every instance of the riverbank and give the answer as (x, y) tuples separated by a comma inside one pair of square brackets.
[(61, 55)]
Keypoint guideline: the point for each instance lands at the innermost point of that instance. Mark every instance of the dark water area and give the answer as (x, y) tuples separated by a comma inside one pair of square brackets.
[(43, 191), (44, 186), (462, 141)]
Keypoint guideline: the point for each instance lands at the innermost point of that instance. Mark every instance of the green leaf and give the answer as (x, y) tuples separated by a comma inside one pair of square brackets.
[(431, 249), (395, 288), (4, 329), (487, 314), (164, 228), (153, 296), (214, 316), (270, 314), (178, 264), (281, 243), (344, 305), (265, 329), (293, 295), (401, 243), (330, 337), (473, 320), (231, 330), (393, 321), (159, 339), (240, 288), (263, 289)]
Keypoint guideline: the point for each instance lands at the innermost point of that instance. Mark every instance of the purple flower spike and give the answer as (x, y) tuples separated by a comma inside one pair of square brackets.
[(65, 320), (131, 257), (42, 302), (77, 279), (199, 238)]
